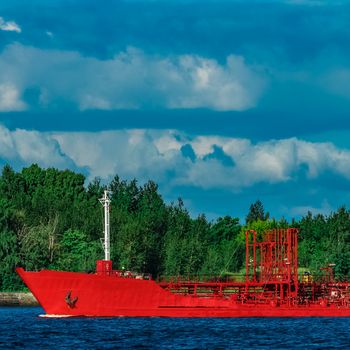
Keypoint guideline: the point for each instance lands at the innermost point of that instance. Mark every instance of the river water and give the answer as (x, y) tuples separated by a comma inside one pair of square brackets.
[(21, 328)]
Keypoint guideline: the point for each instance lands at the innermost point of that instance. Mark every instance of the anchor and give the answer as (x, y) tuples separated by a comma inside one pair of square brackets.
[(69, 300)]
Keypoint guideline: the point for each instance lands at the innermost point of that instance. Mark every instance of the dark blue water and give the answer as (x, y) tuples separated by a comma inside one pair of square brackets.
[(22, 328)]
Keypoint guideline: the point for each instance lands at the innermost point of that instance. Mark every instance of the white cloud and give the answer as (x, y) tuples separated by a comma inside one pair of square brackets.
[(133, 79), (10, 98), (28, 147), (233, 86), (129, 153), (157, 155), (7, 146), (274, 161), (168, 144), (9, 26)]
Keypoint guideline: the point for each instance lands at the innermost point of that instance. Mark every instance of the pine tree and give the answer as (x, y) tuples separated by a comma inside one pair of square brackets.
[(256, 212)]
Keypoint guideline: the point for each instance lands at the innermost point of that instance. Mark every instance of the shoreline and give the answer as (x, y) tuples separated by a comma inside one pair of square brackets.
[(17, 299)]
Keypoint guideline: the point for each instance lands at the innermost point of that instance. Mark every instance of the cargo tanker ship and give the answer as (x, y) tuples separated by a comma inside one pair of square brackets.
[(271, 287)]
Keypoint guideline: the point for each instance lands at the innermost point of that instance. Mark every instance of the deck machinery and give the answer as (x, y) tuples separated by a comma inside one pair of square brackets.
[(271, 277)]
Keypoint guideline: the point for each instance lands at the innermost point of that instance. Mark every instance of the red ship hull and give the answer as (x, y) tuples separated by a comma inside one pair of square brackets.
[(107, 296)]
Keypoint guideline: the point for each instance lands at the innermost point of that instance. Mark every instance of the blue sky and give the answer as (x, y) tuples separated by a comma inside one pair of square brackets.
[(220, 102)]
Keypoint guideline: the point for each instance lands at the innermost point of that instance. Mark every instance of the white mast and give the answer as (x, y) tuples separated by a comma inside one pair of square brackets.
[(105, 201)]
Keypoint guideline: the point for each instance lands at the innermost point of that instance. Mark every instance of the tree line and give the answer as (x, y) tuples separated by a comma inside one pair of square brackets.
[(51, 219)]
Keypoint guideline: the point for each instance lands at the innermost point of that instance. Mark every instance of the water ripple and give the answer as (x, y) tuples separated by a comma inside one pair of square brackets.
[(21, 328)]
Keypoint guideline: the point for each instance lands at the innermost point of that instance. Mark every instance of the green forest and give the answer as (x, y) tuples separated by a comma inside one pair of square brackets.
[(52, 219)]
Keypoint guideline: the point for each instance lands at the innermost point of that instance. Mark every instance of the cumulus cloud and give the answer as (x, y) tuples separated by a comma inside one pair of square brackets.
[(133, 79), (27, 147), (9, 26), (157, 155), (10, 98)]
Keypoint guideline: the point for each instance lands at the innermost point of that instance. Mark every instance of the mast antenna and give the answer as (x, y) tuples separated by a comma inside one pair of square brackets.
[(105, 201)]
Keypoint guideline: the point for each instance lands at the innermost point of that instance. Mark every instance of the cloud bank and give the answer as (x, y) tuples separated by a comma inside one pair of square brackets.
[(130, 80), (213, 162)]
